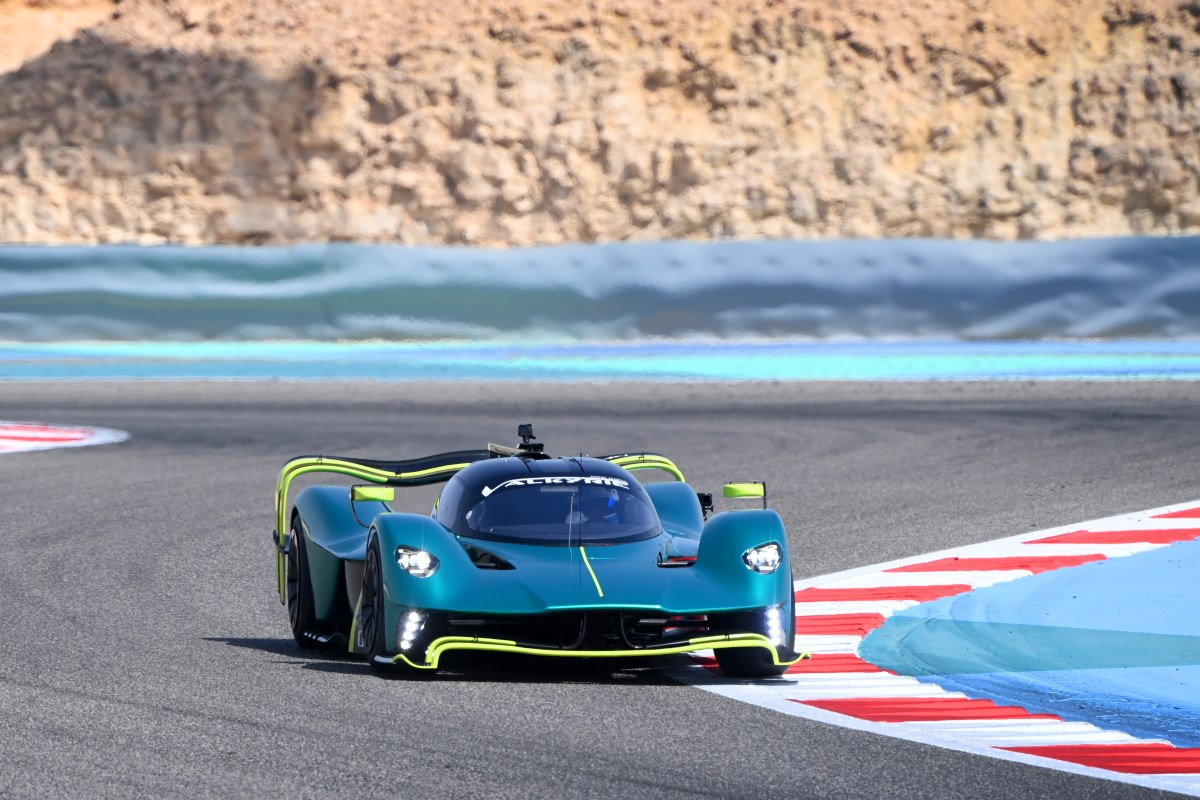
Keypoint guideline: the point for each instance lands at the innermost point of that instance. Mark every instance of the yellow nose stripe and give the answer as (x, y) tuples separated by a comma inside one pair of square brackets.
[(591, 572)]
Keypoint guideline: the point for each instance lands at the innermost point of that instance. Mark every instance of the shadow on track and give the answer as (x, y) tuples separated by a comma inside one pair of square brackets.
[(479, 667)]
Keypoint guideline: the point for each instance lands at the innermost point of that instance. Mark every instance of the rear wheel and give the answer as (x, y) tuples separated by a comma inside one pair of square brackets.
[(299, 591)]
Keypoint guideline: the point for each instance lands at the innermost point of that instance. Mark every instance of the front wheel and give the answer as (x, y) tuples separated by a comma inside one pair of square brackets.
[(756, 662), (748, 662), (371, 635)]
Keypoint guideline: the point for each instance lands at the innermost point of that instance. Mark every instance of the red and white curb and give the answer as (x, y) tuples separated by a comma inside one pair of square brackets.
[(834, 613), (23, 437)]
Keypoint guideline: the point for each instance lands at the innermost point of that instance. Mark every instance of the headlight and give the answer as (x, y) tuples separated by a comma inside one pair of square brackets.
[(417, 563), (763, 559), (408, 627), (774, 621)]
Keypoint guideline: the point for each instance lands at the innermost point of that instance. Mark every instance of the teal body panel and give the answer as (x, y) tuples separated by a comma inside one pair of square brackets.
[(677, 507), (730, 534), (547, 578), (325, 570), (559, 579), (333, 536)]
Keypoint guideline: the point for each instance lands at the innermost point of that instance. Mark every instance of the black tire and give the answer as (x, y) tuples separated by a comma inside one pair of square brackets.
[(371, 617), (372, 636), (756, 662), (748, 662), (299, 591)]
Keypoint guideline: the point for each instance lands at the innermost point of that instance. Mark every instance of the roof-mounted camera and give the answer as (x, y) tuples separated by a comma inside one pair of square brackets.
[(529, 447)]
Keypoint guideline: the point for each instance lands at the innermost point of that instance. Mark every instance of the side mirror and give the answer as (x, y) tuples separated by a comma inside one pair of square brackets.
[(378, 494), (747, 489)]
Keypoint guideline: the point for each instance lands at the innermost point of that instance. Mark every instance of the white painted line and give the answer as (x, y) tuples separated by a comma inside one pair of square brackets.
[(26, 437), (831, 607), (1148, 523), (827, 644), (985, 735), (1017, 733), (768, 694), (872, 580), (1184, 784), (840, 686), (1107, 550)]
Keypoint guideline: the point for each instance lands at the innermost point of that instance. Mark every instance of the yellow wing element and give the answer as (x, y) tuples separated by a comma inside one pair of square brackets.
[(307, 464)]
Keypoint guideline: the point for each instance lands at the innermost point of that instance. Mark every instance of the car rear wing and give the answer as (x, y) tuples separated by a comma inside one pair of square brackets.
[(636, 461), (412, 472)]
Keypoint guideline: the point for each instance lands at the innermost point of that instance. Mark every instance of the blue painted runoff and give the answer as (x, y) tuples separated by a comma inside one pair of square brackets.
[(1115, 643), (655, 360)]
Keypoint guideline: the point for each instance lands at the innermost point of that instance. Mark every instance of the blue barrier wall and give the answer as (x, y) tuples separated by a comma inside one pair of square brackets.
[(903, 289)]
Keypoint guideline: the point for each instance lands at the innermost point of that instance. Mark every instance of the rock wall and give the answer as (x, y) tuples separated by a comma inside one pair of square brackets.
[(518, 122)]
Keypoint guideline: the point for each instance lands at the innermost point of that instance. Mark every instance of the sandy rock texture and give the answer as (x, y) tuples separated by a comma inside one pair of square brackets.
[(519, 122)]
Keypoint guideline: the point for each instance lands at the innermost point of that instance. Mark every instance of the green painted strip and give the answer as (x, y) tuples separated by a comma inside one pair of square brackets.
[(588, 564)]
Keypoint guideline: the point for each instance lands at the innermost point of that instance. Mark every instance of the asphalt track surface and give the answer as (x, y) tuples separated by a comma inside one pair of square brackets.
[(145, 653)]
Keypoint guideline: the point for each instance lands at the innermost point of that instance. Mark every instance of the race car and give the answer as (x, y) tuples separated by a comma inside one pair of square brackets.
[(526, 553)]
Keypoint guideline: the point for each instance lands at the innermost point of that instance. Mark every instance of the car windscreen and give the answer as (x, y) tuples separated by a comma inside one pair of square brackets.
[(562, 511)]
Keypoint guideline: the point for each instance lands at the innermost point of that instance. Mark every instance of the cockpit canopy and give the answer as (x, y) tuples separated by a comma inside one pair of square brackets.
[(543, 504)]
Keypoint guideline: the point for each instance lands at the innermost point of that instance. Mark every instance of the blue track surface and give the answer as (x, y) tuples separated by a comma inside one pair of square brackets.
[(670, 360), (1115, 643)]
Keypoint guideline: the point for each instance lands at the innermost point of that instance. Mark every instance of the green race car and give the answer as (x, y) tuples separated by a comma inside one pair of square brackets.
[(525, 553)]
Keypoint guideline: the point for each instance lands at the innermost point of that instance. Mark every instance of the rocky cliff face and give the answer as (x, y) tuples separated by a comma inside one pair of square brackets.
[(517, 122)]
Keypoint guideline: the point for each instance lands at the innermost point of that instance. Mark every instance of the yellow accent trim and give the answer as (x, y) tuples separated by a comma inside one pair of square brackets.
[(380, 494), (302, 466), (632, 463), (354, 622), (587, 563), (447, 644), (745, 490)]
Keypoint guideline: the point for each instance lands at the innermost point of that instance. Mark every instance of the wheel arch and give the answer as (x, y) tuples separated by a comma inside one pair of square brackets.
[(324, 517), (730, 534)]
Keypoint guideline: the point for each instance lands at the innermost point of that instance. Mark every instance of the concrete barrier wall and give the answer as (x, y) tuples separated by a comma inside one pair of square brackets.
[(903, 289)]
